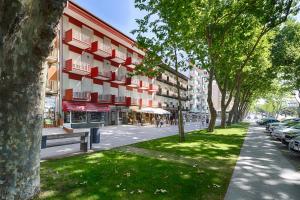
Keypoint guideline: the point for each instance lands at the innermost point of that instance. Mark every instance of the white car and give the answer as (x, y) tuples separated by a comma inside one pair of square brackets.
[(295, 144), (271, 126), (280, 131)]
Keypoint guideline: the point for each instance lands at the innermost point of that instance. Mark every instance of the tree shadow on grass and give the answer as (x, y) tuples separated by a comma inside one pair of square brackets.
[(115, 175)]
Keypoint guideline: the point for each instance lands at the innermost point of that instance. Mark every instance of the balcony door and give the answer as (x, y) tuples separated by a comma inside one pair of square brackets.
[(87, 58), (86, 85)]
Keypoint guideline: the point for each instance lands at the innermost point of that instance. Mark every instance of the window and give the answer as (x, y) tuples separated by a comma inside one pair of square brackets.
[(78, 117), (67, 117), (96, 117)]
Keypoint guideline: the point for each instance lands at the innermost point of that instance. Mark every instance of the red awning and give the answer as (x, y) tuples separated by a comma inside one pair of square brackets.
[(83, 107)]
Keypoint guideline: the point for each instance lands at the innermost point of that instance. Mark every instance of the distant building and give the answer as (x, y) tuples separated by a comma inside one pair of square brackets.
[(198, 92), (167, 91)]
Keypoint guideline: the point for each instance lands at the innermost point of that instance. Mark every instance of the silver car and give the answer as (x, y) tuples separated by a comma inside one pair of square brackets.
[(290, 133), (295, 144)]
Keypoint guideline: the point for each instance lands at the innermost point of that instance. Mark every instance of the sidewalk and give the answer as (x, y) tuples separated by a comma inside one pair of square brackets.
[(116, 136), (262, 172)]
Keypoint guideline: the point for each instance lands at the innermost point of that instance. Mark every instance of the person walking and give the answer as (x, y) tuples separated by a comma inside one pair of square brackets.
[(161, 122), (203, 121), (207, 120), (157, 121)]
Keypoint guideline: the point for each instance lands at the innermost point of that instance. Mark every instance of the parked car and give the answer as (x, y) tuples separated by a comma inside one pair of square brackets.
[(290, 133), (295, 144), (278, 131), (284, 123), (266, 121)]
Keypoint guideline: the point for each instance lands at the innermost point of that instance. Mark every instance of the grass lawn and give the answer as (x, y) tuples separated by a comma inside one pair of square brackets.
[(118, 175)]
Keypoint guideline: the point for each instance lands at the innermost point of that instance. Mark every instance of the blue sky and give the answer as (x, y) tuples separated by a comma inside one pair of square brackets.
[(121, 14)]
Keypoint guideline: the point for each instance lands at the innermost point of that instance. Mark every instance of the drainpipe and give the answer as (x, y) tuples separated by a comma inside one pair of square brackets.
[(60, 68)]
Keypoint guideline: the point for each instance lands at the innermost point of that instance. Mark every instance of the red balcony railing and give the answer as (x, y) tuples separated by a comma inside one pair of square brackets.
[(101, 74), (77, 39), (118, 56), (70, 95), (132, 62), (133, 82), (101, 49), (77, 67), (144, 85)]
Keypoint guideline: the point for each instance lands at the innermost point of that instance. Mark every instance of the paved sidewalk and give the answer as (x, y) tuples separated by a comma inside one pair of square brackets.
[(262, 172), (116, 136)]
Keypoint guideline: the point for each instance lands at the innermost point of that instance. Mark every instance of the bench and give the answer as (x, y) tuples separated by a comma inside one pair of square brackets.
[(83, 140)]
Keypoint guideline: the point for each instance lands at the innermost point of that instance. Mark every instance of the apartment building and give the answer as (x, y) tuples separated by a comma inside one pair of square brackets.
[(197, 93), (88, 78), (167, 91)]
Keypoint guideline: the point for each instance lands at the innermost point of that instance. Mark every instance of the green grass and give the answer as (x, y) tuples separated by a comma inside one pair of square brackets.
[(115, 175)]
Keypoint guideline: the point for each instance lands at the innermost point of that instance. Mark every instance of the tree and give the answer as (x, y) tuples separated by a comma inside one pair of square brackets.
[(163, 48), (286, 56), (26, 32), (206, 29)]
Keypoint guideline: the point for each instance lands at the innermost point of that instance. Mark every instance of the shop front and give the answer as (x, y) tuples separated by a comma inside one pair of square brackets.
[(118, 115), (84, 115), (146, 115)]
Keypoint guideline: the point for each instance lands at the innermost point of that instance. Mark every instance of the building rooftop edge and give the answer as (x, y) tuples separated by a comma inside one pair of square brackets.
[(102, 21)]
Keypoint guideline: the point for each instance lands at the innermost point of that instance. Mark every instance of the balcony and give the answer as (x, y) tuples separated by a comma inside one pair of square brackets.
[(70, 95), (77, 39), (101, 49), (105, 98), (132, 82), (144, 103), (51, 87), (153, 88), (144, 85), (118, 56), (102, 98), (118, 78), (101, 74), (122, 100), (77, 67), (52, 57), (132, 62), (155, 104), (134, 102)]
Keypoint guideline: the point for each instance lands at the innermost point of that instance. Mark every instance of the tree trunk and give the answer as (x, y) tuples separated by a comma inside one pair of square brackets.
[(180, 117), (212, 110), (26, 34), (229, 121), (223, 110)]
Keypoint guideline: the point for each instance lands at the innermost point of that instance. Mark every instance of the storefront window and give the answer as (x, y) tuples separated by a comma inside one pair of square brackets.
[(67, 117), (49, 111), (78, 117), (96, 117)]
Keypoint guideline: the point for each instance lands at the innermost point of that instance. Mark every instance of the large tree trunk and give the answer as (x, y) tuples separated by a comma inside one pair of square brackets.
[(180, 116), (26, 32), (212, 110)]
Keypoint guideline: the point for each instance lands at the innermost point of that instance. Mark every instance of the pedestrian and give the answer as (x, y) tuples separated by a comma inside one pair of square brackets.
[(207, 120), (157, 121), (203, 121), (161, 122)]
